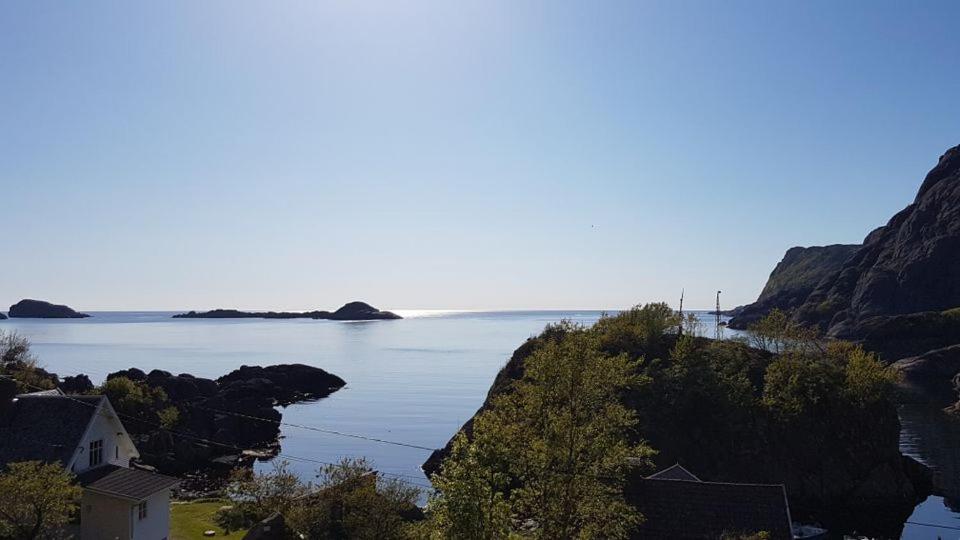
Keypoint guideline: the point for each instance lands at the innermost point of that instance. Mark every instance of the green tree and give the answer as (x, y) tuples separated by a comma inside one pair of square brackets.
[(140, 401), (36, 500), (351, 501), (256, 496), (555, 449), (19, 363)]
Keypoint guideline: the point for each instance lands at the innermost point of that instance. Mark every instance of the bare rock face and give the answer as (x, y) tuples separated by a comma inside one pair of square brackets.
[(38, 309), (794, 278), (910, 265)]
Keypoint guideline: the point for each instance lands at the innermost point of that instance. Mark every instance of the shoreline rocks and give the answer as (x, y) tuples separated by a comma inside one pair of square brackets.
[(353, 311), (227, 422), (38, 309)]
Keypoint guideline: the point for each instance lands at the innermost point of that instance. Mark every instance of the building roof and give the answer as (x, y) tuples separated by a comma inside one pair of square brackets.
[(688, 510), (134, 484), (45, 428), (675, 472)]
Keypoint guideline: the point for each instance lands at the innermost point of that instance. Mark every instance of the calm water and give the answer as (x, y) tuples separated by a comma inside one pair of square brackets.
[(414, 380)]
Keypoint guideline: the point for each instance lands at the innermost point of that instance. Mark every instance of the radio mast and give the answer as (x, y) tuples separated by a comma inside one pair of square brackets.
[(719, 333)]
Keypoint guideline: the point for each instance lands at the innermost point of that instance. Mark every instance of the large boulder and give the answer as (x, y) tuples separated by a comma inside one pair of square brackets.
[(38, 309), (793, 279), (935, 375), (2, 316)]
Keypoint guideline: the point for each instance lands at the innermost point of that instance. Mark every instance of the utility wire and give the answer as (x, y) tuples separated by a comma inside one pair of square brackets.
[(311, 428), (222, 444)]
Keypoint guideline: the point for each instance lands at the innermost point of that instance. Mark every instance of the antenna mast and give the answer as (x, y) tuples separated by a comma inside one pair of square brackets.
[(719, 333)]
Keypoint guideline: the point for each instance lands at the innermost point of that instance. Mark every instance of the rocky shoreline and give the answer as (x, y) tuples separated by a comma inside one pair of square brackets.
[(187, 425)]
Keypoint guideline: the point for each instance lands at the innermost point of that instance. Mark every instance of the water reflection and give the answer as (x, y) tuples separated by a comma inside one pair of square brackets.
[(933, 438)]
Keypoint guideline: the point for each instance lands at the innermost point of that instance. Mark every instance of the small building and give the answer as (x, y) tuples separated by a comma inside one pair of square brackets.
[(85, 435), (677, 505)]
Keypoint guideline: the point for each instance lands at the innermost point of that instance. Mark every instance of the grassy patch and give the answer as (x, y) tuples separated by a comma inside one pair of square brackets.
[(189, 520)]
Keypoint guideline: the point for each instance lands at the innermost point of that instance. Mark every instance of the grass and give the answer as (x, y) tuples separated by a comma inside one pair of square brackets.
[(189, 520)]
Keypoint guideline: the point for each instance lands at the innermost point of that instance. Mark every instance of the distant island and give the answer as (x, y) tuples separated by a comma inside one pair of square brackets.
[(353, 311), (38, 309)]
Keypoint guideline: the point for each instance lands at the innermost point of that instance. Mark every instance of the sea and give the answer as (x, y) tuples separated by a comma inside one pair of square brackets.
[(411, 383)]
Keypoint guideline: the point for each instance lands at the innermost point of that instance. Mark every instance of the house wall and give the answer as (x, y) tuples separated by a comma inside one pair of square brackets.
[(116, 450), (104, 518), (156, 526)]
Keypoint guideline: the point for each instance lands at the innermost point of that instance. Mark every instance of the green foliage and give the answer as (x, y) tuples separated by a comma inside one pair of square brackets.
[(778, 334), (169, 417), (20, 364), (137, 400), (256, 496), (637, 331), (350, 501), (36, 499), (353, 502), (550, 457)]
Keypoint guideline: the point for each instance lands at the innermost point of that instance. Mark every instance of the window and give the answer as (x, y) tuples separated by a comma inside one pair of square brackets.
[(116, 451), (142, 511), (96, 452)]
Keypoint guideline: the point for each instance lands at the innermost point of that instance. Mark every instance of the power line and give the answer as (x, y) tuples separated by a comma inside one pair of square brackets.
[(204, 440), (933, 525), (310, 428)]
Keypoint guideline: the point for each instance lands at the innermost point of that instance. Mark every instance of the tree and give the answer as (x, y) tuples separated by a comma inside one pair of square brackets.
[(256, 496), (780, 335), (351, 501), (553, 452), (36, 500), (18, 362)]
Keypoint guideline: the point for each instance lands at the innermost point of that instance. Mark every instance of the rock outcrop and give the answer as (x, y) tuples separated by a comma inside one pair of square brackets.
[(793, 279), (353, 311), (2, 316), (38, 309), (935, 374), (223, 421)]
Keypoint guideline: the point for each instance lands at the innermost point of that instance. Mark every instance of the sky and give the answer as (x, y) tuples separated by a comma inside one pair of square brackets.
[(454, 155)]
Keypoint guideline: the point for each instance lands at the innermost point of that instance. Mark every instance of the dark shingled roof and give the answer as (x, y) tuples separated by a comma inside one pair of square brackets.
[(686, 510), (44, 428), (127, 483), (675, 472)]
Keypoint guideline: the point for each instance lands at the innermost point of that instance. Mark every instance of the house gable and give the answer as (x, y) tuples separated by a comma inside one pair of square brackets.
[(116, 447)]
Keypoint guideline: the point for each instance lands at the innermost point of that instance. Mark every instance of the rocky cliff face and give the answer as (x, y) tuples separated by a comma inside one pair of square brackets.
[(794, 278), (910, 265)]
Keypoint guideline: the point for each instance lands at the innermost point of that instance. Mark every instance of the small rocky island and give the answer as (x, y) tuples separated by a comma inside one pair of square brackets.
[(38, 309), (353, 311)]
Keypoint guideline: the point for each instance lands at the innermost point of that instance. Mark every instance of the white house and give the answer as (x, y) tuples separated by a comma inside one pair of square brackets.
[(84, 434)]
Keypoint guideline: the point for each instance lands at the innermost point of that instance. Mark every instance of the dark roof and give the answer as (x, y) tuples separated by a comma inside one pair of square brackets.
[(681, 509), (675, 472), (126, 483), (44, 428)]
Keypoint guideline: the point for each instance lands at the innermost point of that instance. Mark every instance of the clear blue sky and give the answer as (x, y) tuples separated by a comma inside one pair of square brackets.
[(296, 155)]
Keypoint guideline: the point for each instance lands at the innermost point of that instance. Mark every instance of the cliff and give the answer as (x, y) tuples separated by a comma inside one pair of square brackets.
[(793, 279), (910, 265)]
